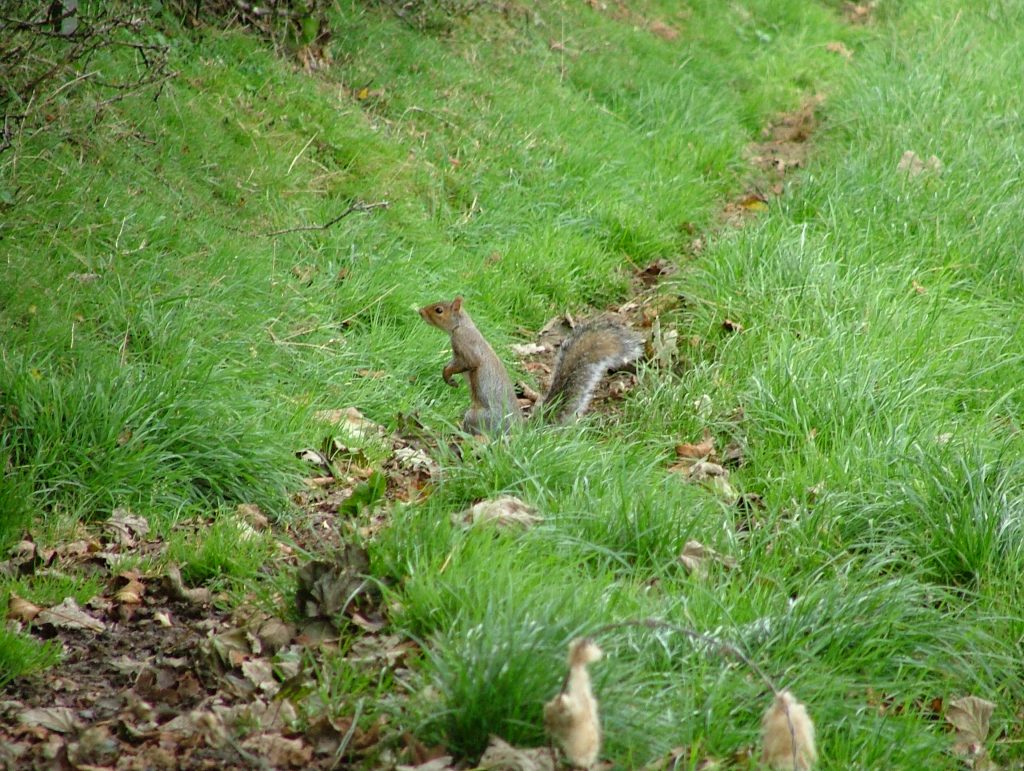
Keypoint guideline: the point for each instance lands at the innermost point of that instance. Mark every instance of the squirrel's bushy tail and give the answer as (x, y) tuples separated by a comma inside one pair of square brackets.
[(592, 349)]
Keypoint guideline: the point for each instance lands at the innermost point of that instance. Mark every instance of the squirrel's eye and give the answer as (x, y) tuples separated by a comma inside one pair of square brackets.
[(439, 309)]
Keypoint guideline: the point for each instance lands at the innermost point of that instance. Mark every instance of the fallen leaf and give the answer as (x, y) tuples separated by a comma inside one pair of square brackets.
[(663, 345), (60, 719), (696, 557), (506, 512), (260, 673), (353, 422), (655, 271), (329, 587), (527, 349), (443, 763), (836, 47), (663, 30), (911, 164), (416, 460), (253, 515), (274, 634), (502, 756), (970, 716), (278, 751), (732, 326), (68, 615), (702, 450), (128, 588), (127, 528), (175, 588), (21, 609), (703, 407)]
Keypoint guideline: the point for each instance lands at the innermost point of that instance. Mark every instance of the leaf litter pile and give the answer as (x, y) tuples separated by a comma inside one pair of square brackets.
[(154, 674)]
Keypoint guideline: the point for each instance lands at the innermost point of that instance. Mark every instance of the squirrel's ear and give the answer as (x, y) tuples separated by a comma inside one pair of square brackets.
[(457, 304)]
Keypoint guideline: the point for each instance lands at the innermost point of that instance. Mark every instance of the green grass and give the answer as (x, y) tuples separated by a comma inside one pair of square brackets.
[(874, 387)]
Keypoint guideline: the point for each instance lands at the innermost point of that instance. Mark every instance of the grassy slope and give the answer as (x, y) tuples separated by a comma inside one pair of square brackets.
[(901, 573)]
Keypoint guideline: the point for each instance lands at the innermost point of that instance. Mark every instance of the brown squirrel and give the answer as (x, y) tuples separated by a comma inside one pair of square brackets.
[(583, 358)]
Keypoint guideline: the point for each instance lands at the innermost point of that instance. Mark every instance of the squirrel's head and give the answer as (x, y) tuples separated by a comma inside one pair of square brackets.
[(442, 315)]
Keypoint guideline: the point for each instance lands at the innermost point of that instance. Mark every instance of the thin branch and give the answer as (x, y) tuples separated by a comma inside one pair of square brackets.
[(354, 207)]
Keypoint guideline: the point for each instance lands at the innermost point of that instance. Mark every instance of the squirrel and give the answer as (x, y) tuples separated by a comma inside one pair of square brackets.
[(583, 358)]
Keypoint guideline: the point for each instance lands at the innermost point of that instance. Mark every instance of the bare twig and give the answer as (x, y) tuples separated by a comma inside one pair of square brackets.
[(354, 207)]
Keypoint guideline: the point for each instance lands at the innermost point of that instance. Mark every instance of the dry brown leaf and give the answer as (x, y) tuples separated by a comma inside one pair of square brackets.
[(274, 634), (60, 719), (696, 557), (702, 450), (911, 164), (128, 587), (663, 30), (663, 345), (505, 513), (253, 516), (970, 717), (95, 747), (443, 763), (836, 47), (260, 673), (127, 528), (353, 422), (527, 349), (703, 407), (416, 460), (732, 326), (20, 609), (175, 587), (68, 615), (502, 756), (327, 588), (787, 733), (278, 751)]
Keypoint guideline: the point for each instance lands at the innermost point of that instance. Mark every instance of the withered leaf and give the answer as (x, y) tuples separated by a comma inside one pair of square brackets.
[(126, 528), (60, 719), (527, 349), (506, 512), (278, 751), (21, 609), (837, 47), (443, 763), (68, 615), (353, 423), (327, 588), (911, 164), (176, 589), (696, 557), (502, 756), (702, 450), (970, 717), (663, 344), (274, 634)]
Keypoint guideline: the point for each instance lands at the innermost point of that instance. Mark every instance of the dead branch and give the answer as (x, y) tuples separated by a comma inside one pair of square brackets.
[(353, 207)]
